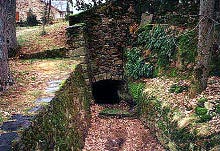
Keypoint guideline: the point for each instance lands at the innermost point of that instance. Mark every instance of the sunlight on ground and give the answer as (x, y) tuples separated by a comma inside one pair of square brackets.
[(31, 77), (31, 40)]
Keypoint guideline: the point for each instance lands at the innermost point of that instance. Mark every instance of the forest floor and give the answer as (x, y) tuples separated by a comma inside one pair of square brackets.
[(160, 87), (118, 134)]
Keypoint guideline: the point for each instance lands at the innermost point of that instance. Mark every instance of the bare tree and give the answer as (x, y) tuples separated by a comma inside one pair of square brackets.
[(83, 5), (205, 41)]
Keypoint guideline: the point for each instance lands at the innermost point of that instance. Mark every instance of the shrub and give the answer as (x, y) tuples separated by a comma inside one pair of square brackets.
[(187, 48), (201, 102), (136, 67), (200, 110), (136, 90), (217, 109), (205, 118), (160, 42), (203, 114), (31, 19)]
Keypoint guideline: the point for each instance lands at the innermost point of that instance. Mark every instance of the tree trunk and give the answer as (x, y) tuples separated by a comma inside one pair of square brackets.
[(4, 69), (11, 29), (205, 41), (49, 10)]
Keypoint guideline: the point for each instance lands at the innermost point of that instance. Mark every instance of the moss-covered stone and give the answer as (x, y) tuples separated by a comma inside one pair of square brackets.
[(64, 123), (173, 128)]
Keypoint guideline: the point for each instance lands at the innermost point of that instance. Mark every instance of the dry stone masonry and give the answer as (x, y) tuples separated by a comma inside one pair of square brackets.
[(104, 35)]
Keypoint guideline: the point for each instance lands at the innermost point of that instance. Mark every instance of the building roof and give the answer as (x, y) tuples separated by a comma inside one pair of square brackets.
[(61, 5)]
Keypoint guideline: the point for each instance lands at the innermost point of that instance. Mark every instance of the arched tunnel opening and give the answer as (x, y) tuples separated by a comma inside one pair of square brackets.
[(106, 91)]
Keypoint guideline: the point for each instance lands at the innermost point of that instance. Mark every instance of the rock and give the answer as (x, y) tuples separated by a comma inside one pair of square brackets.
[(44, 100), (114, 144), (146, 18), (6, 139)]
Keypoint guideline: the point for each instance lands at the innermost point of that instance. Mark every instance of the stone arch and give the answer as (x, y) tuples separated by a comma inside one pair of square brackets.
[(106, 76)]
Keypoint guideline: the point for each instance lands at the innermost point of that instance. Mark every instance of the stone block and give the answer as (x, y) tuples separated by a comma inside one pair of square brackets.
[(87, 81), (78, 52), (108, 76), (146, 18), (96, 77)]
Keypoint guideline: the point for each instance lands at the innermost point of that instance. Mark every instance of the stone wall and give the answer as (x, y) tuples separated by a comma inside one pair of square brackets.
[(76, 45), (63, 124), (106, 35)]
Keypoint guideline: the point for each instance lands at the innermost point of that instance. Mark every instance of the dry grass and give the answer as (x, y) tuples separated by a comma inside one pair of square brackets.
[(31, 40)]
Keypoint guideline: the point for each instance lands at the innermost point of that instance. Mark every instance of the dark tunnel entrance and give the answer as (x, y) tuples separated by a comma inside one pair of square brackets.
[(106, 91)]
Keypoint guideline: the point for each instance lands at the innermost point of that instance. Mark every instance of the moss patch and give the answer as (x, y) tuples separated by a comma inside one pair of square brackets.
[(175, 129), (64, 123)]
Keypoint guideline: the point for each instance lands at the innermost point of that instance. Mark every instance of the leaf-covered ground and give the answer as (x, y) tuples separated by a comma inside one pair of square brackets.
[(160, 87), (113, 134)]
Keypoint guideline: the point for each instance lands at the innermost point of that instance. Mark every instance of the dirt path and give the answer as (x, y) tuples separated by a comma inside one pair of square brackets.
[(111, 134)]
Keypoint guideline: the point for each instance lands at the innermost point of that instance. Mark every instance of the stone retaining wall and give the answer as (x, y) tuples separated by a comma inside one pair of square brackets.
[(63, 124)]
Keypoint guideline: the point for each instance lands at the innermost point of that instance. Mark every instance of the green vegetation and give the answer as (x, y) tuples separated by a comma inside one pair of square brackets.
[(201, 102), (200, 110), (154, 52), (175, 88), (205, 118), (157, 51), (187, 48), (1, 118), (135, 66), (64, 123), (217, 110), (160, 42), (136, 90)]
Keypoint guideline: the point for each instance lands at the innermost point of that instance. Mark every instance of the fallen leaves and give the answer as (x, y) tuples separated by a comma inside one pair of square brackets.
[(160, 87), (114, 134)]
